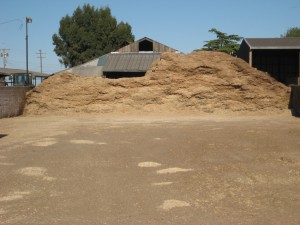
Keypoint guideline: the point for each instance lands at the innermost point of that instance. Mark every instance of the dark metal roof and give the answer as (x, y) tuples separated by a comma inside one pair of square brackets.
[(129, 62), (273, 43), (8, 71)]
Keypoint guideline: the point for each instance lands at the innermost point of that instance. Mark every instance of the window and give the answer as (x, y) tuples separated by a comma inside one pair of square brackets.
[(146, 46)]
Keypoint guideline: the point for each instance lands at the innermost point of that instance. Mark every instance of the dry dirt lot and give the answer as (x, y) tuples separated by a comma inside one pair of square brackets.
[(150, 170)]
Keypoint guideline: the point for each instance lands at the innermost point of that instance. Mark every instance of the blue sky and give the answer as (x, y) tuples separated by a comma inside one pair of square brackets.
[(181, 24)]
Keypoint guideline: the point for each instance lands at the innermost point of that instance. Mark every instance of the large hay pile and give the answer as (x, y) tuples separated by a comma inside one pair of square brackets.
[(201, 82)]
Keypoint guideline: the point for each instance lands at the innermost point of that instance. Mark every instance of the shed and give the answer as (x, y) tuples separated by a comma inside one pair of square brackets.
[(280, 57)]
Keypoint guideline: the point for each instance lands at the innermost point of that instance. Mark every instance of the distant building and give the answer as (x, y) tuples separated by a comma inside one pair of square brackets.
[(130, 60), (280, 57), (5, 73)]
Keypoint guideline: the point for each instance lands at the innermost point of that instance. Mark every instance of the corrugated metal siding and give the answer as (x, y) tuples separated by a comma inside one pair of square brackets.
[(102, 60), (129, 62), (87, 71)]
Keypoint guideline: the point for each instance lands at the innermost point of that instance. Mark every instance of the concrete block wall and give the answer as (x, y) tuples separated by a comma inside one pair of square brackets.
[(12, 101)]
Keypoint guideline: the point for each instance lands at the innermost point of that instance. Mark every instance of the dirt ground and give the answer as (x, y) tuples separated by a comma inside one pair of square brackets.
[(150, 170)]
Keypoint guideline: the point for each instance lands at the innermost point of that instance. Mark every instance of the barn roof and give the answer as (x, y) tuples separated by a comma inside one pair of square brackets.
[(129, 62), (273, 43), (134, 46), (151, 40)]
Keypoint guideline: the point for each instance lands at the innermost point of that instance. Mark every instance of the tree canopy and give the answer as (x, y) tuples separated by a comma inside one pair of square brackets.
[(89, 33), (292, 32), (223, 43)]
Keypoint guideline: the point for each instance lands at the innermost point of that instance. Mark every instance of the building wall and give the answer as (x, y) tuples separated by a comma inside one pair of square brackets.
[(90, 68), (12, 101), (244, 51), (87, 71), (157, 47)]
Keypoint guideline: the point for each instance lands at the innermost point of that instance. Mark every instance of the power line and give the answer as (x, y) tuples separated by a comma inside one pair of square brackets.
[(4, 54), (13, 20), (40, 53)]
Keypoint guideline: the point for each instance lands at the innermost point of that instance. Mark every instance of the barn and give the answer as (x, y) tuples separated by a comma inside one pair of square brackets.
[(130, 60), (280, 57)]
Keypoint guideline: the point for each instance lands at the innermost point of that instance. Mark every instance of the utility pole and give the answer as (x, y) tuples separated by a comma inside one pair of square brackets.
[(28, 20), (41, 57), (4, 54)]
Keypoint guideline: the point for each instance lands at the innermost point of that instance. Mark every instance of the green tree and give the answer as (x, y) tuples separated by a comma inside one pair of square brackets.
[(223, 43), (292, 32), (87, 34)]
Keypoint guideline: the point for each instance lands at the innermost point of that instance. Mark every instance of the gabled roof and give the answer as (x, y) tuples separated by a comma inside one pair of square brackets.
[(129, 62), (134, 44), (151, 40), (273, 43)]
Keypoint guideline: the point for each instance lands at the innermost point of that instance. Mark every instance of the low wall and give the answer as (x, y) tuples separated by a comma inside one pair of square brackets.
[(12, 101), (295, 100)]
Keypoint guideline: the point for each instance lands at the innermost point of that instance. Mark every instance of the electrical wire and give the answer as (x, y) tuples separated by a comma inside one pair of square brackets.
[(13, 20)]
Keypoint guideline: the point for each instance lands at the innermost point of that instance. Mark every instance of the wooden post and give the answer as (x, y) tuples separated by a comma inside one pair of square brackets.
[(250, 58), (299, 70)]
